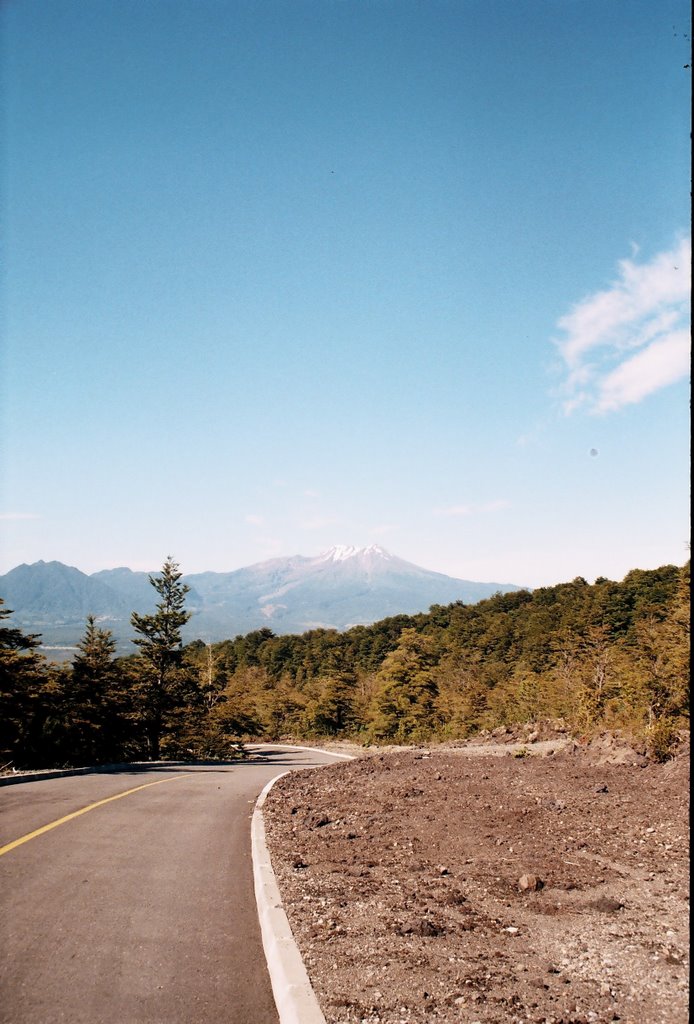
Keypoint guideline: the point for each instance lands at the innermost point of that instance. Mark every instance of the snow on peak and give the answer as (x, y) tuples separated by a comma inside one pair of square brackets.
[(341, 552)]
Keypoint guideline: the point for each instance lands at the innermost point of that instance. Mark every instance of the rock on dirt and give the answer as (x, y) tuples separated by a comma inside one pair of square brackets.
[(401, 875)]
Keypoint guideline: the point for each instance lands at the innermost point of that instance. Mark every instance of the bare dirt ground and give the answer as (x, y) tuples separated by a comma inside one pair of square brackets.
[(469, 884)]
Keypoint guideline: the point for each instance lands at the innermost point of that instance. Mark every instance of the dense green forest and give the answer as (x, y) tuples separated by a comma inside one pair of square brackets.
[(602, 656)]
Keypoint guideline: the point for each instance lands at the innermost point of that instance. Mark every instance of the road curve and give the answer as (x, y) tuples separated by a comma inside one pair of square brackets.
[(141, 909)]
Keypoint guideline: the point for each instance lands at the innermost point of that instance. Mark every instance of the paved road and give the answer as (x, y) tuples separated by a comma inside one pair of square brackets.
[(141, 910)]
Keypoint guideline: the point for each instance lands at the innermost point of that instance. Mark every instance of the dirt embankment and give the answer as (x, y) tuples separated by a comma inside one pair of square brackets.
[(441, 886)]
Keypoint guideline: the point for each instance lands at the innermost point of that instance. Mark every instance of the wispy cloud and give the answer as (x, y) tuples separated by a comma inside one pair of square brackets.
[(254, 520), (622, 344), (459, 511), (453, 511), (661, 363), (270, 547), (15, 517), (319, 522), (382, 529)]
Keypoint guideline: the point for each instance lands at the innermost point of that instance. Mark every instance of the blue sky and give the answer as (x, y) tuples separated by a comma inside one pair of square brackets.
[(280, 275)]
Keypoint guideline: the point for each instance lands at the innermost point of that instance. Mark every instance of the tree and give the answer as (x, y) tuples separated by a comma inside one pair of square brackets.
[(332, 711), (94, 700), (97, 648), (405, 701), (235, 715), (21, 677), (461, 704), (161, 651), (597, 675)]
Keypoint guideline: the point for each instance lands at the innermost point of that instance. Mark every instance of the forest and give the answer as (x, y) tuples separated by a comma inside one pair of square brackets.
[(608, 655)]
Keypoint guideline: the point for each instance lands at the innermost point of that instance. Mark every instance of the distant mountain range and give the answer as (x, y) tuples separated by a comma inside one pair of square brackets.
[(343, 587)]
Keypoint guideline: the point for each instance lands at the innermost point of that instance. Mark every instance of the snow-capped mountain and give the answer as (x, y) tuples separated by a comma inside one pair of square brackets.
[(342, 587), (339, 588), (342, 552)]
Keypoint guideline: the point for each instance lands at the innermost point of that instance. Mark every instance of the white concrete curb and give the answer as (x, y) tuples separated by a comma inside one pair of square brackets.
[(294, 996), (314, 750)]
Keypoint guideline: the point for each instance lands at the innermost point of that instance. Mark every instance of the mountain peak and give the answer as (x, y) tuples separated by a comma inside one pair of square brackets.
[(342, 552)]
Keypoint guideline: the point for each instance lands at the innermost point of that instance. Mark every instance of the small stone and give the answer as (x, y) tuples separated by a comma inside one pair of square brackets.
[(426, 928), (319, 821), (530, 883), (607, 905)]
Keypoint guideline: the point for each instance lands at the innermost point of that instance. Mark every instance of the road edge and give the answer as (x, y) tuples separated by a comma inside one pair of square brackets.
[(62, 773), (294, 996), (98, 769)]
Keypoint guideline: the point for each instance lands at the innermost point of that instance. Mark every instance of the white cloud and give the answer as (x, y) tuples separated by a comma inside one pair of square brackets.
[(621, 344), (16, 517), (663, 362), (454, 511), (459, 511), (318, 522), (270, 547), (254, 520), (495, 506)]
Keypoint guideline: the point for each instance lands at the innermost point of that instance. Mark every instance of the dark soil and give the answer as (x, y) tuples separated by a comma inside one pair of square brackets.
[(454, 885)]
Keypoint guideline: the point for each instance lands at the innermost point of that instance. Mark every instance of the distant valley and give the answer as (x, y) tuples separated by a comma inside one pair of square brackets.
[(342, 587)]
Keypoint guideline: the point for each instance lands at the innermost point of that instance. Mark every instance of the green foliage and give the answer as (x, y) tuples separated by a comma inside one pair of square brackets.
[(21, 681), (462, 702), (661, 739), (160, 634), (332, 710), (162, 685), (611, 655), (95, 702), (405, 701)]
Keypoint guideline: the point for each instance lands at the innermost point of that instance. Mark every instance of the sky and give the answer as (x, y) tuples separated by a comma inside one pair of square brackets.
[(283, 274)]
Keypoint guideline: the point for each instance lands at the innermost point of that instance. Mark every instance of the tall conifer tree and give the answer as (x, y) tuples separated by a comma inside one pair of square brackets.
[(160, 646)]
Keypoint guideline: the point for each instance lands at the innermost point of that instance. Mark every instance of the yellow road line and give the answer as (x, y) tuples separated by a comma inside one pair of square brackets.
[(83, 810)]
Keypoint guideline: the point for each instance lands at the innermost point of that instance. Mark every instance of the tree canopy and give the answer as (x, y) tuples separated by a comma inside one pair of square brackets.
[(609, 655)]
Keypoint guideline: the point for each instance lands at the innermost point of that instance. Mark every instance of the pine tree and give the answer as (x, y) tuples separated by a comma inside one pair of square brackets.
[(97, 648), (161, 651), (21, 678), (95, 711)]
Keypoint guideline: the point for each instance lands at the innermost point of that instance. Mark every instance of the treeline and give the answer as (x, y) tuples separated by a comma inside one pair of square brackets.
[(607, 655)]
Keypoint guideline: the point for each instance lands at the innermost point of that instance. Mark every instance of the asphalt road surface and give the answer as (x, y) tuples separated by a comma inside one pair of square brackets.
[(140, 910)]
